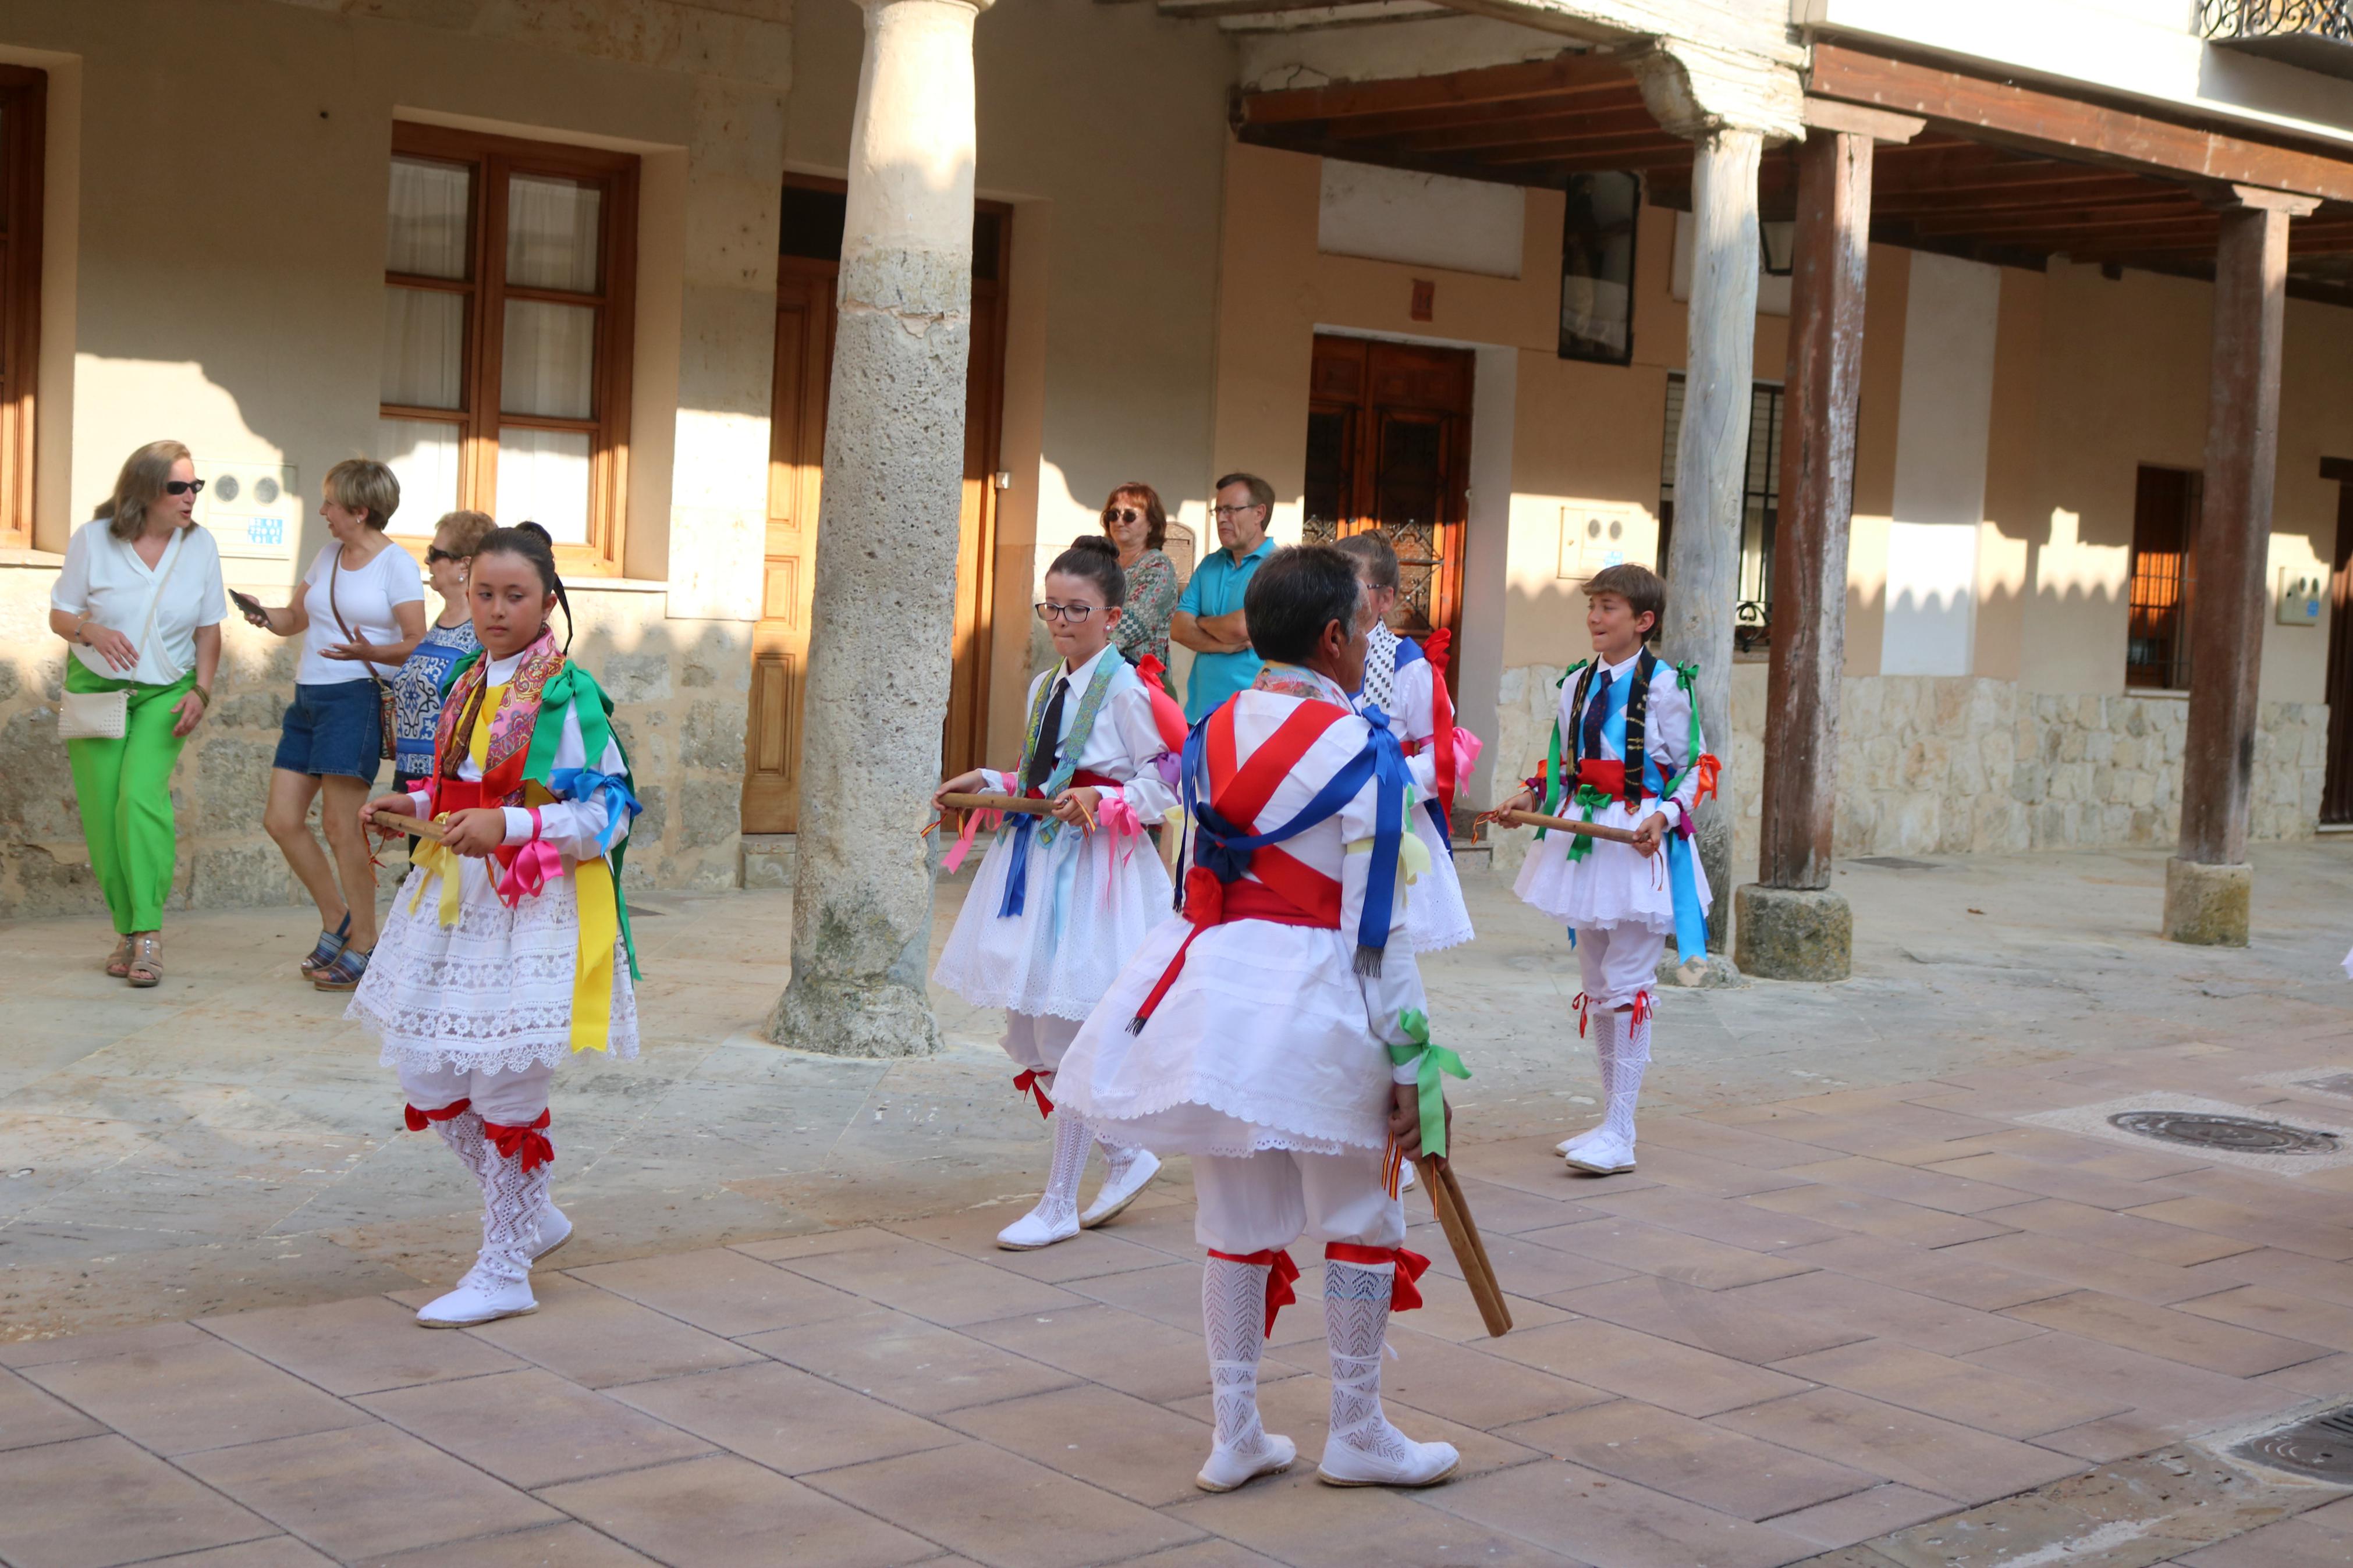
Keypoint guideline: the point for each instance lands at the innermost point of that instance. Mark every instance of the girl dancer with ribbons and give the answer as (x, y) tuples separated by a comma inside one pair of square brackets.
[(511, 950), (1060, 901), (1406, 681), (1625, 752), (1278, 1034)]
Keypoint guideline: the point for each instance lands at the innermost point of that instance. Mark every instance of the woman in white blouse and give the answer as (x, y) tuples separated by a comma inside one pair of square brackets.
[(140, 601)]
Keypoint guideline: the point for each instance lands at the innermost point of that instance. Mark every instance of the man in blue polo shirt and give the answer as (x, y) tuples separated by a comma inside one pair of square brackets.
[(1208, 619)]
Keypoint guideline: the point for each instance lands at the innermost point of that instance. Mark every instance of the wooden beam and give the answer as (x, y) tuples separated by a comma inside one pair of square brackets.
[(1640, 141), (2068, 220), (1995, 110), (1534, 128), (1488, 84), (1595, 97)]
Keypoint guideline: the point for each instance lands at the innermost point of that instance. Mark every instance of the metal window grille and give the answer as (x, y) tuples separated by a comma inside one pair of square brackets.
[(1760, 506), (2164, 577)]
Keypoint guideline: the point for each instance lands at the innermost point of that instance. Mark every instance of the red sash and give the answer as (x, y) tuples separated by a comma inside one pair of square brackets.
[(1604, 774)]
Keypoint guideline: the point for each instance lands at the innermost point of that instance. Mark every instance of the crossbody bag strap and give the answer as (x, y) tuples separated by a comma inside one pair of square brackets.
[(335, 570), (178, 548)]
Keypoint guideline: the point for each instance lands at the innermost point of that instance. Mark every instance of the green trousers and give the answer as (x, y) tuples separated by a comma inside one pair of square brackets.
[(124, 788)]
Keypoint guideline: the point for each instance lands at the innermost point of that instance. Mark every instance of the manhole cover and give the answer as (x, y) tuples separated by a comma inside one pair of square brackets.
[(2240, 1134), (2321, 1448), (1897, 863)]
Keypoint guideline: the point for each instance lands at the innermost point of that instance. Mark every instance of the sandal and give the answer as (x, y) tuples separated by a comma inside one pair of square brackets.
[(118, 963), (146, 965), (344, 973), (330, 943)]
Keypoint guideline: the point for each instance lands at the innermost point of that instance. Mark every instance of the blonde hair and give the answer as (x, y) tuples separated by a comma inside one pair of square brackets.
[(466, 530), (145, 474), (362, 484)]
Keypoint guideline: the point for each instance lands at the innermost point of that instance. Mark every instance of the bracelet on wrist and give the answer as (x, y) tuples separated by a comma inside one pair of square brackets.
[(204, 697)]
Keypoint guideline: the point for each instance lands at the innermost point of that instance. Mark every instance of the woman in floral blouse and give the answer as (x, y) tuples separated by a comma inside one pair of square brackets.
[(1138, 525)]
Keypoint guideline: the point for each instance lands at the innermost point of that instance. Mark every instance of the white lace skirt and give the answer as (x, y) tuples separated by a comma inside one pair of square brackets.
[(1260, 1044), (492, 993), (1611, 886), (1091, 901), (1435, 915)]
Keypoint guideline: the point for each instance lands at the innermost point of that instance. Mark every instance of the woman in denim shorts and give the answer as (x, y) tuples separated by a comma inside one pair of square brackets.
[(359, 612)]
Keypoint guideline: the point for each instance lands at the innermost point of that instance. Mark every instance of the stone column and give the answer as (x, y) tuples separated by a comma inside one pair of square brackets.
[(886, 557), (2207, 885), (1789, 924), (1729, 108)]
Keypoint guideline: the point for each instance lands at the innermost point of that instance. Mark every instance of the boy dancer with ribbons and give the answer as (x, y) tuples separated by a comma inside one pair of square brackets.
[(1277, 1035), (1625, 752)]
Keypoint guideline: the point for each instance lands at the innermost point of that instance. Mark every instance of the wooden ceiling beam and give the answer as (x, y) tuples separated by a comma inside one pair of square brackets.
[(1927, 204), (1598, 98), (2005, 111), (1588, 147), (2066, 220), (1487, 84), (1535, 128)]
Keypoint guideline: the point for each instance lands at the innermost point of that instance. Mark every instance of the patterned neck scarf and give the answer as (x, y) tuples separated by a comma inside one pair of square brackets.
[(1380, 669), (1298, 681), (511, 725)]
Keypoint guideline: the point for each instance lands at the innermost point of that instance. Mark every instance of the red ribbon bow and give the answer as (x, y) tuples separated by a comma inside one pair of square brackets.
[(525, 1142), (1205, 896), (1404, 1297), (1281, 1275), (1708, 768), (1641, 1008), (1581, 1003), (1031, 1082), (418, 1120)]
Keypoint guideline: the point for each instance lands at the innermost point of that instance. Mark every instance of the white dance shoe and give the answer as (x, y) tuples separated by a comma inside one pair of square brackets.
[(1034, 1230), (1121, 1188), (1576, 1142), (1608, 1154), (478, 1299), (1393, 1459), (1227, 1469), (554, 1230)]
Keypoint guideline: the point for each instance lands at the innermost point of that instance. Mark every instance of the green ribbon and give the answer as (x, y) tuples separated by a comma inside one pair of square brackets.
[(1589, 800), (1430, 1061)]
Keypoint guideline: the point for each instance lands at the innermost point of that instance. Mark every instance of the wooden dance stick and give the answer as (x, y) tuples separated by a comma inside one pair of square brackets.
[(415, 827), (1566, 824), (1030, 805), (1470, 1252)]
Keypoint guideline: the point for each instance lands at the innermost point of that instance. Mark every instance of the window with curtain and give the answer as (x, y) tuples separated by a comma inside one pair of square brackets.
[(507, 325), (23, 94)]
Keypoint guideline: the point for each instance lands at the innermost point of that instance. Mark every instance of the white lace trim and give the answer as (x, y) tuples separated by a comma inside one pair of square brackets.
[(1273, 1124)]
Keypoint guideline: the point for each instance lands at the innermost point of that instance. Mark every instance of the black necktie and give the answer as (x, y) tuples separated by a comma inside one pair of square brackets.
[(1594, 712), (1049, 741)]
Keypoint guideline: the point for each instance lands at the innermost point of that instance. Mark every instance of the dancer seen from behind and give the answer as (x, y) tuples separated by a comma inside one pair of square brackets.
[(1279, 1036), (1406, 682), (511, 951), (1060, 901), (1625, 752)]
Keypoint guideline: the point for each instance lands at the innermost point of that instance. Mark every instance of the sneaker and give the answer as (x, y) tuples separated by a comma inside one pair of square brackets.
[(479, 1299), (1120, 1189), (1227, 1470)]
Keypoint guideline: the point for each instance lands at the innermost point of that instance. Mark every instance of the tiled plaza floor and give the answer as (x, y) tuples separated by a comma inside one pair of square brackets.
[(1802, 1329)]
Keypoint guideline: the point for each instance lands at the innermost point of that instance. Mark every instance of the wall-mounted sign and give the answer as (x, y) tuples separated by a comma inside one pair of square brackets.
[(254, 510)]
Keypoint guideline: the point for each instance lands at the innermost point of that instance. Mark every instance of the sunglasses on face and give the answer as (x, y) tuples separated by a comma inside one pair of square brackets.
[(436, 555), (1122, 514), (184, 486)]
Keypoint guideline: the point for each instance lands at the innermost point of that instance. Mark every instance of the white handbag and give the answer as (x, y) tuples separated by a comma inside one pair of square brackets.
[(106, 715)]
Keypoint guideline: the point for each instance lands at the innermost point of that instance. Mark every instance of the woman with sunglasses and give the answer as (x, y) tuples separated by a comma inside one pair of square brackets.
[(416, 690), (1138, 526), (140, 601)]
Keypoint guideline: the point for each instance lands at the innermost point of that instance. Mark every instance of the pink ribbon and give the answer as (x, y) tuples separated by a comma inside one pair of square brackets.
[(1116, 817), (1467, 747), (534, 866), (972, 824)]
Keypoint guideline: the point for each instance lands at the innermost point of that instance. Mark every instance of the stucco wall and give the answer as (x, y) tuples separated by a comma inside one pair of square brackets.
[(216, 278)]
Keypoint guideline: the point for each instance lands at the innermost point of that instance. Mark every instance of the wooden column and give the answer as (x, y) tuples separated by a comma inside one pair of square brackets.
[(1711, 457), (2208, 885)]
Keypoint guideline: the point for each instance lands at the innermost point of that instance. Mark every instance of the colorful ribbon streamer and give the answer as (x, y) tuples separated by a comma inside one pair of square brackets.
[(1430, 1062)]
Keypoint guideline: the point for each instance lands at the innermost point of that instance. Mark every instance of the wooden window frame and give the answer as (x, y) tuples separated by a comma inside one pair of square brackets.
[(24, 95), (2158, 596), (492, 159)]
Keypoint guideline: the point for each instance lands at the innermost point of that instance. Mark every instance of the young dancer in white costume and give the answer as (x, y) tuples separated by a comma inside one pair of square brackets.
[(1278, 1036), (508, 949), (1061, 901), (1627, 752)]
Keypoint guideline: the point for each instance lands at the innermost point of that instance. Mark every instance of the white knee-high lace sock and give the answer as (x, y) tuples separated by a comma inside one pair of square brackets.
[(463, 1133), (1633, 1055), (1060, 1199), (1233, 1321), (1605, 1048), (511, 1198), (1356, 1326)]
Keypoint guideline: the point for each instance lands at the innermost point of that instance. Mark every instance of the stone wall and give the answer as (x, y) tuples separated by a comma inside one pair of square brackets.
[(680, 690), (1959, 765)]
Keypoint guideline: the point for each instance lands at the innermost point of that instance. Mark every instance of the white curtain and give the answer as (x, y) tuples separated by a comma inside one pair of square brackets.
[(548, 361), (543, 478), (423, 456), (424, 348), (430, 204), (552, 231)]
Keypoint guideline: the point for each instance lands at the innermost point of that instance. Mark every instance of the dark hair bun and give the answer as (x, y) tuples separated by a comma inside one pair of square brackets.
[(1095, 545), (529, 527)]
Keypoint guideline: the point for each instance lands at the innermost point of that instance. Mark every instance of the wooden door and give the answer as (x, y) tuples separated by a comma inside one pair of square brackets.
[(806, 280), (2336, 792), (1389, 447)]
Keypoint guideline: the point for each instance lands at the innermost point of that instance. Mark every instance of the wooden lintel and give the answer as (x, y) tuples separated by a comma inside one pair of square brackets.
[(2237, 195), (1594, 97), (1829, 114), (1487, 84), (1516, 132), (1986, 109), (1639, 142)]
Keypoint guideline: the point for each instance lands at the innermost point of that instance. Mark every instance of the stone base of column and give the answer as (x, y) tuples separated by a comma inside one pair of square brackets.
[(842, 1018), (2207, 905), (1708, 972), (1792, 933)]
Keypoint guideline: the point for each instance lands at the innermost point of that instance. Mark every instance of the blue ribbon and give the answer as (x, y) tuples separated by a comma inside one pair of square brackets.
[(1016, 878), (1691, 921), (587, 783)]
